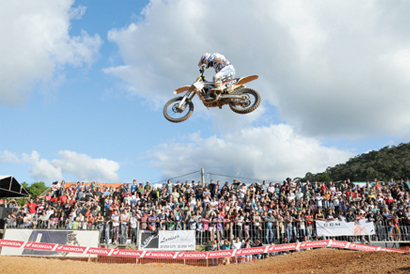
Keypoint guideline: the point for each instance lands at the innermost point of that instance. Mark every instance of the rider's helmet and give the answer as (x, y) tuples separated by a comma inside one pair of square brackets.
[(204, 59)]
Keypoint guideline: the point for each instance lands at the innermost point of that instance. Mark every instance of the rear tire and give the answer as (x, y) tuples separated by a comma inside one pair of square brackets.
[(172, 114), (254, 99)]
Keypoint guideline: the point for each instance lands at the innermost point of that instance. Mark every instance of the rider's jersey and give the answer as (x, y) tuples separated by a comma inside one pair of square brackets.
[(217, 61)]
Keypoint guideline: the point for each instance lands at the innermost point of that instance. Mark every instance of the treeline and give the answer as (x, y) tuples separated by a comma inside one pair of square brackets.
[(35, 190), (388, 162)]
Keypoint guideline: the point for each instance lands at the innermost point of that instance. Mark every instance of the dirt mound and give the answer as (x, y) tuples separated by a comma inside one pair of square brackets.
[(314, 261)]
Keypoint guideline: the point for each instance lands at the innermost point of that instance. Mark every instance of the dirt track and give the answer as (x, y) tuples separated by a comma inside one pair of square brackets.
[(314, 261)]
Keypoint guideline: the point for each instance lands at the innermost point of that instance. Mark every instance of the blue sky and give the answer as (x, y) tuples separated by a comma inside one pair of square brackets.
[(82, 85)]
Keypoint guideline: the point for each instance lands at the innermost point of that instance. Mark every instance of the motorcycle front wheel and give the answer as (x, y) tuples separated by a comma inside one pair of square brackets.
[(175, 114), (249, 102)]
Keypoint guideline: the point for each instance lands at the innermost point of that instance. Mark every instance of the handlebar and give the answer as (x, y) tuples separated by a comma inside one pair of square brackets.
[(202, 68)]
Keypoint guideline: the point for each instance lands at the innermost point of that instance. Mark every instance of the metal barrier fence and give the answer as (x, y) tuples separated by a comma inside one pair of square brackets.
[(265, 232)]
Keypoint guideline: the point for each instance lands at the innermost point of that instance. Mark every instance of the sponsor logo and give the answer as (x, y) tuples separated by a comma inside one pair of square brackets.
[(126, 253), (98, 251), (332, 224), (148, 253), (364, 247), (59, 247), (314, 244), (180, 254), (148, 240), (282, 247), (9, 243), (338, 244), (42, 246), (193, 255), (164, 240), (230, 83), (72, 249), (216, 254), (28, 244), (248, 251), (160, 254)]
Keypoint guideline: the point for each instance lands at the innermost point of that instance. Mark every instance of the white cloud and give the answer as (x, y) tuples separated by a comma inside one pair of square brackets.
[(331, 68), (86, 168), (273, 153), (8, 157), (80, 166), (36, 45), (42, 169)]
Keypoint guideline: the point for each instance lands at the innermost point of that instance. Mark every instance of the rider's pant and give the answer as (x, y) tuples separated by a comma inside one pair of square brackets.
[(227, 73)]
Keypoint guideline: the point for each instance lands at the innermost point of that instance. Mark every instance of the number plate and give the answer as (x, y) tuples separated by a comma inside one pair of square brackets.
[(199, 85)]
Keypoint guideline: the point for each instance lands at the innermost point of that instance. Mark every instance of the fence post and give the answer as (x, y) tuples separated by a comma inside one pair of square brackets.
[(203, 176), (138, 233), (231, 231)]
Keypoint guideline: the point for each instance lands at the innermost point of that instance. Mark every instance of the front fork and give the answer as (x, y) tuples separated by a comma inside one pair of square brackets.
[(188, 96)]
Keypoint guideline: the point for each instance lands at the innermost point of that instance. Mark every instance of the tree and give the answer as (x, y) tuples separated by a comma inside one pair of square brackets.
[(388, 162), (35, 189)]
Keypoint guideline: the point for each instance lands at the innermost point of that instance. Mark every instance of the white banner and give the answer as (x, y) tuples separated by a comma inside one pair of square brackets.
[(343, 228), (74, 238), (170, 240)]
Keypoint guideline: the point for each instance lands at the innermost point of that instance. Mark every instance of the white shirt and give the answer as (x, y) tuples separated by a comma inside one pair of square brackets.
[(133, 222), (237, 245), (116, 220)]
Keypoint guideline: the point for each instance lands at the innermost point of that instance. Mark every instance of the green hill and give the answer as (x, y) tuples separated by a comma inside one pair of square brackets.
[(388, 162)]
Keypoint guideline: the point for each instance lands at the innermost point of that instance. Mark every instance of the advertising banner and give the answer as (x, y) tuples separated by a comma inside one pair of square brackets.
[(20, 245), (54, 243), (343, 228), (171, 240)]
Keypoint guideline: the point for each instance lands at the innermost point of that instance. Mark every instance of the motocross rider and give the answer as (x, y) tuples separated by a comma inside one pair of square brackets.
[(224, 70)]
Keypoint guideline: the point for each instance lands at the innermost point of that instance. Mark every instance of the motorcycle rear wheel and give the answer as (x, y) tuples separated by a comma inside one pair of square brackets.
[(175, 115), (252, 102)]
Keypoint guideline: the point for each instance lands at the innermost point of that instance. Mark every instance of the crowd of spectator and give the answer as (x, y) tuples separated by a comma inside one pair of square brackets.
[(254, 214)]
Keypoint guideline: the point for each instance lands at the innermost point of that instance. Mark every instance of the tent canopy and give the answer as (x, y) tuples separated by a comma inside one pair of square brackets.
[(10, 188)]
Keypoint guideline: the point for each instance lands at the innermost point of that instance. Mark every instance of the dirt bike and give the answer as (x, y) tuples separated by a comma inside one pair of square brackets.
[(241, 99)]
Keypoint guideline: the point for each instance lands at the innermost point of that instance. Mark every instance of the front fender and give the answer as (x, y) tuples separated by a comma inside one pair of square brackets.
[(181, 89)]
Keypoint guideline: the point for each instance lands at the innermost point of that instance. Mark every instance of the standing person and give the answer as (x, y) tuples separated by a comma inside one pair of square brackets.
[(212, 187), (31, 206), (205, 222), (99, 220), (125, 218), (247, 225), (115, 219), (133, 224), (288, 221), (219, 226), (237, 245), (134, 186), (269, 227), (257, 226), (238, 225), (153, 221), (309, 224)]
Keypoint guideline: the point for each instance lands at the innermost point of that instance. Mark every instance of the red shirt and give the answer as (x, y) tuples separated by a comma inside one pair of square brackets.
[(32, 207), (63, 199), (309, 223)]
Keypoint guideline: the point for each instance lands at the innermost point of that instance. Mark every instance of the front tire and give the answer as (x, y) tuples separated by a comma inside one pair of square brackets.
[(250, 102), (173, 114)]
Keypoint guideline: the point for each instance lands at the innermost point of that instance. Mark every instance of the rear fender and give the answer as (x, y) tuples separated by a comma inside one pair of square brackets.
[(246, 79), (181, 89)]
